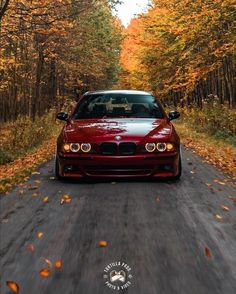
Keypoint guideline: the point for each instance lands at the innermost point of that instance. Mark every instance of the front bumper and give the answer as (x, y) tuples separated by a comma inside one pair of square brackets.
[(141, 165)]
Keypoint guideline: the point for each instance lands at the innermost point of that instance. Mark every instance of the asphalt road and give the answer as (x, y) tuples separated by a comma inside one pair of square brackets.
[(160, 229)]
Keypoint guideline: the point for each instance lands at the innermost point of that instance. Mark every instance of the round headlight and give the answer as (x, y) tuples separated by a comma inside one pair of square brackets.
[(74, 147), (86, 147), (169, 146), (161, 147), (150, 147), (66, 147)]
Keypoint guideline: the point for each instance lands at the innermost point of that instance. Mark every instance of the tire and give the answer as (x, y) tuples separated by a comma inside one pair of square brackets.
[(178, 176), (57, 170)]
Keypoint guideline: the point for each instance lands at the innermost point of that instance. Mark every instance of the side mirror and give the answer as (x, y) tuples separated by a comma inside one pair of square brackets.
[(173, 115), (62, 116)]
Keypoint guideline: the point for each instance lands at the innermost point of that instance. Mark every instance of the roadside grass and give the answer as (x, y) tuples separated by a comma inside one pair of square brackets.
[(24, 146), (24, 135), (214, 119), (218, 151)]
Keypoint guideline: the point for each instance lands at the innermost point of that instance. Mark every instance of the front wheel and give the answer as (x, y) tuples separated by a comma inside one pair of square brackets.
[(57, 170), (178, 176)]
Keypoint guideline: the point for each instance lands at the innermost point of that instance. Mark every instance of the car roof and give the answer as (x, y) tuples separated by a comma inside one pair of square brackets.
[(134, 92)]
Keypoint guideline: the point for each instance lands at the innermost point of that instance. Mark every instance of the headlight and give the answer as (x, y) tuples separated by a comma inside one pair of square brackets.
[(161, 147), (66, 147), (86, 147), (150, 147), (74, 147)]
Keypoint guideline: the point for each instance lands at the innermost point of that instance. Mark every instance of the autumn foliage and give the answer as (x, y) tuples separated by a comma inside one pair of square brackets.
[(50, 50), (183, 51)]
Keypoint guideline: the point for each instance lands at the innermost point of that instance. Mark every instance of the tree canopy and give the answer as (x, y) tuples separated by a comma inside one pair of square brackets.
[(50, 49), (182, 49)]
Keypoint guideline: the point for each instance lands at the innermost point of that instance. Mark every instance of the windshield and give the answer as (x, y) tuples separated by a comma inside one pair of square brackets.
[(118, 105)]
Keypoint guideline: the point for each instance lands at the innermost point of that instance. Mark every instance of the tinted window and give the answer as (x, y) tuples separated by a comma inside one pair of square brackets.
[(118, 105)]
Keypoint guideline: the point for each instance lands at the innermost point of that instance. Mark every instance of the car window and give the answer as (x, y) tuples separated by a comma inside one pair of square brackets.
[(117, 105)]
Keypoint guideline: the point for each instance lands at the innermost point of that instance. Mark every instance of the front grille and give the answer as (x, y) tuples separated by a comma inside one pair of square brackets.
[(109, 148), (127, 148)]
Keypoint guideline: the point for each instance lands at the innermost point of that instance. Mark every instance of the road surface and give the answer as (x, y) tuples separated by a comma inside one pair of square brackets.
[(166, 232)]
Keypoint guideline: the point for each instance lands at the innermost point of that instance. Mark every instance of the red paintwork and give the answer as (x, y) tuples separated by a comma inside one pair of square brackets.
[(137, 130)]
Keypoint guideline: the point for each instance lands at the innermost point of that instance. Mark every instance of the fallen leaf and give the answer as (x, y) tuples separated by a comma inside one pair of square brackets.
[(233, 200), (208, 184), (208, 252), (217, 216), (35, 173), (37, 182), (34, 195), (225, 208), (30, 247), (219, 182), (48, 262), (103, 243), (45, 199), (192, 172), (13, 286), (158, 200), (21, 192), (40, 235), (58, 264), (66, 198), (44, 272)]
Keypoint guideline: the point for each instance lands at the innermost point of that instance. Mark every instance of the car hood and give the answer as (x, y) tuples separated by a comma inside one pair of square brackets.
[(108, 129)]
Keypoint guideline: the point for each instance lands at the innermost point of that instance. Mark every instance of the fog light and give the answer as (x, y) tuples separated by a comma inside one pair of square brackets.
[(74, 147), (169, 146), (161, 147), (86, 147), (150, 147), (66, 147)]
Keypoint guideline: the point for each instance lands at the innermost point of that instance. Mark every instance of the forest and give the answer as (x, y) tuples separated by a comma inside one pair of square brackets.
[(183, 50), (52, 50)]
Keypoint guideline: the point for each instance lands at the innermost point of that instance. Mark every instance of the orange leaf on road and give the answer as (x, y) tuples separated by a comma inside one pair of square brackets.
[(13, 286), (208, 252), (37, 182), (225, 208), (40, 235), (58, 264), (66, 198), (45, 199), (103, 243), (217, 216), (44, 272), (30, 247)]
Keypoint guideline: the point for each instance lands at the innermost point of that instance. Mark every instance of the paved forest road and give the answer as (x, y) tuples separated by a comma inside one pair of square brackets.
[(162, 239)]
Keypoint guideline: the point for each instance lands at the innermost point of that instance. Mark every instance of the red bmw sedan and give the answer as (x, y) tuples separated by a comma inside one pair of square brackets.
[(118, 134)]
